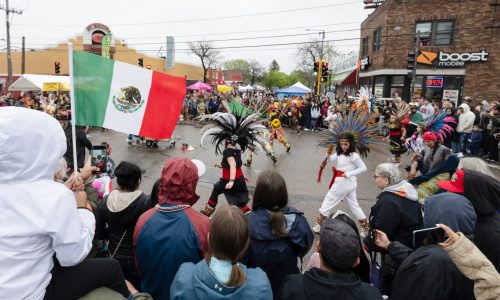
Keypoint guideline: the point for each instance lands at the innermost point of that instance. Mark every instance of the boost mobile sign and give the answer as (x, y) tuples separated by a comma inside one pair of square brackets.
[(444, 59)]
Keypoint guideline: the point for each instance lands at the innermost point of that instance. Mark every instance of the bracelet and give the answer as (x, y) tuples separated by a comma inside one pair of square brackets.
[(231, 180)]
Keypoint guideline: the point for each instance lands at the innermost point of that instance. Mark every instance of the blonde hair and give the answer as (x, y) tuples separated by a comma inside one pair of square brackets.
[(62, 170)]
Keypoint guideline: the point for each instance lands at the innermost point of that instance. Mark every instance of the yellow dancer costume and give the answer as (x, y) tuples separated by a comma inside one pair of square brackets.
[(277, 133)]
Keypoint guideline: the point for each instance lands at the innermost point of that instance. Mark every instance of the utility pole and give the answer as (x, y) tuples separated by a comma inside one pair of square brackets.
[(23, 58), (414, 72), (9, 57)]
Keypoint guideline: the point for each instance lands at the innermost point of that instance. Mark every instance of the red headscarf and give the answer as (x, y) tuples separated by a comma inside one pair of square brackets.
[(178, 182)]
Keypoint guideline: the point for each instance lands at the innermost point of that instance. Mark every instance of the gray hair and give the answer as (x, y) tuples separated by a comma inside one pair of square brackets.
[(389, 171), (476, 164)]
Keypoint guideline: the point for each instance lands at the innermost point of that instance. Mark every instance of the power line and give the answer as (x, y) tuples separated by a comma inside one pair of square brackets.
[(205, 19)]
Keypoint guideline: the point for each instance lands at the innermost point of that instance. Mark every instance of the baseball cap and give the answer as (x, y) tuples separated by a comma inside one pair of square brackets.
[(340, 245), (455, 184)]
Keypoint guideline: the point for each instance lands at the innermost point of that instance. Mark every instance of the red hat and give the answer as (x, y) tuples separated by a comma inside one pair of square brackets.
[(455, 185), (429, 136)]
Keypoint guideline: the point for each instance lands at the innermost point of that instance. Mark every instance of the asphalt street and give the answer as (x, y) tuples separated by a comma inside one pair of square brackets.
[(299, 167)]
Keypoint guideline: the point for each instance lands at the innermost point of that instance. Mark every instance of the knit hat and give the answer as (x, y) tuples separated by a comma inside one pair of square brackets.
[(339, 244)]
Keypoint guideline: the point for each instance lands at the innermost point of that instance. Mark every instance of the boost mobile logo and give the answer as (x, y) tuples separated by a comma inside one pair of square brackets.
[(444, 59)]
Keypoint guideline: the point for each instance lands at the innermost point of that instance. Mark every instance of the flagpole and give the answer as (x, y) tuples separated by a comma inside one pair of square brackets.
[(72, 103)]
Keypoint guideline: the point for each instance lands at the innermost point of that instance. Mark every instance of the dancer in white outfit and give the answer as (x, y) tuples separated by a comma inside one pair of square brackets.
[(348, 165)]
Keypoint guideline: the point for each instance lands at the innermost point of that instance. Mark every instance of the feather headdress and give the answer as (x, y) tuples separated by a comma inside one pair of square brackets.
[(358, 124), (240, 128), (402, 109), (364, 97), (441, 125)]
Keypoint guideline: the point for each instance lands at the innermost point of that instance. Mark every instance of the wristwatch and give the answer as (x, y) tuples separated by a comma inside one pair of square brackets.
[(231, 180)]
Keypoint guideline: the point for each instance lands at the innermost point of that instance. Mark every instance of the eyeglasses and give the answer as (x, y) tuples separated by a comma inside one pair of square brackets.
[(376, 176)]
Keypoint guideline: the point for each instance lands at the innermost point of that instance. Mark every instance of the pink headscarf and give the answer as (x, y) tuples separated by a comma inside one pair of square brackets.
[(178, 182)]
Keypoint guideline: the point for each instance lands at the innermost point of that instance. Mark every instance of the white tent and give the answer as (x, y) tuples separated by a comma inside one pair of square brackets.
[(259, 87), (33, 82), (245, 88), (300, 85)]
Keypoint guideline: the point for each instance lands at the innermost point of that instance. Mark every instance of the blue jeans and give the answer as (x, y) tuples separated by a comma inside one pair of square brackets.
[(455, 146)]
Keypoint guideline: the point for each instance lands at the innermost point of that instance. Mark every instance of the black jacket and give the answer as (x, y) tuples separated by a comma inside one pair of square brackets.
[(483, 192), (112, 225), (277, 256), (398, 217), (82, 142), (428, 273), (317, 284)]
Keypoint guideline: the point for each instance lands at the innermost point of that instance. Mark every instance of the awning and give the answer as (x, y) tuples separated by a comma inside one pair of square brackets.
[(33, 82), (345, 78)]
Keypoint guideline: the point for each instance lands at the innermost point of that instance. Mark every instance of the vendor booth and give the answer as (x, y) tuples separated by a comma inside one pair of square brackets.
[(40, 83)]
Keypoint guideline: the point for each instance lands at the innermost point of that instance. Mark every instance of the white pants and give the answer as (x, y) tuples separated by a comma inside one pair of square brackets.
[(342, 189)]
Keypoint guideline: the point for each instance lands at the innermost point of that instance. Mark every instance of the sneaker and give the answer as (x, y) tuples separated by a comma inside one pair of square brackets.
[(460, 155), (316, 228), (306, 129)]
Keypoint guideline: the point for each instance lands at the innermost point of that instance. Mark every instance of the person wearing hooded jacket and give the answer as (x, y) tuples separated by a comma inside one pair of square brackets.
[(172, 232), (483, 191), (117, 214), (278, 234), (464, 127), (45, 231), (396, 212), (428, 272), (220, 275)]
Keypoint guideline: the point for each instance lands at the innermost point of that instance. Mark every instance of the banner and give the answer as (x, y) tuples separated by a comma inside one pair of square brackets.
[(106, 45)]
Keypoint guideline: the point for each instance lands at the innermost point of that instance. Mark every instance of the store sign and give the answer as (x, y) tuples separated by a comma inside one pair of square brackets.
[(364, 63), (444, 59), (451, 95), (434, 81)]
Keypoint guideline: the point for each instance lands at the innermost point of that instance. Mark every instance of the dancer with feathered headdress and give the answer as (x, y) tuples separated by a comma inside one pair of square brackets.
[(348, 134), (237, 131), (397, 132)]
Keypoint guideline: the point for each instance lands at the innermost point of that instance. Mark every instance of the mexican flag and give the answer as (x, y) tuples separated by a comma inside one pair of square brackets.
[(124, 97)]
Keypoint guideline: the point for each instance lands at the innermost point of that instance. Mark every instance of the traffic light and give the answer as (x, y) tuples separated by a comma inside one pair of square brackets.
[(315, 71), (57, 67), (324, 72), (411, 60), (141, 62)]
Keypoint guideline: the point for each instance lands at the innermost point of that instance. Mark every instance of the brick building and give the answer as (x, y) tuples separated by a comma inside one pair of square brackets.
[(459, 49)]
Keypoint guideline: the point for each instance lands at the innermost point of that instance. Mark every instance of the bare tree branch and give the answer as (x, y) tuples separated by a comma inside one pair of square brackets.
[(206, 53)]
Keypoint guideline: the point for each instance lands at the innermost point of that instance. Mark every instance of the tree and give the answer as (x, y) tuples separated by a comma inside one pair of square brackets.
[(206, 53), (275, 79), (256, 70), (313, 51), (274, 66), (239, 65), (299, 76)]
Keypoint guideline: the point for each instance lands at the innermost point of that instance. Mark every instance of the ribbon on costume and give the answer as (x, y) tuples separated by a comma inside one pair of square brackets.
[(336, 173)]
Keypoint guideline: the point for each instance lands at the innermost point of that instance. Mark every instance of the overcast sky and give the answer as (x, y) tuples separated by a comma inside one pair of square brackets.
[(144, 25)]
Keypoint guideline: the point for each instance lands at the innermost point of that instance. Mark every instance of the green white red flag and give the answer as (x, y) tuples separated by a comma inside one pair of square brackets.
[(124, 97)]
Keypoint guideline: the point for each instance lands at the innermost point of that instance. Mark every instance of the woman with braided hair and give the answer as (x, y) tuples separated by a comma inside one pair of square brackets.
[(348, 165)]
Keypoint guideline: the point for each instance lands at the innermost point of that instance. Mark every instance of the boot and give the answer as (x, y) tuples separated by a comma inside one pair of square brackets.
[(319, 220), (365, 226), (208, 210)]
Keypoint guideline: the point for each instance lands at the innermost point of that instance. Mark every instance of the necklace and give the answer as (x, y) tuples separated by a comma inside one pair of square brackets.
[(171, 208)]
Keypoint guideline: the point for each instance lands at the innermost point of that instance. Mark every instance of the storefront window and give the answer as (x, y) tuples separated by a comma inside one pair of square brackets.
[(419, 80), (397, 84), (366, 82), (449, 89), (379, 87)]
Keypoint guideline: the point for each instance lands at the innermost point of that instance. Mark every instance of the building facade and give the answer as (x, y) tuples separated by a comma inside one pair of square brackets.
[(458, 50), (44, 61), (344, 74)]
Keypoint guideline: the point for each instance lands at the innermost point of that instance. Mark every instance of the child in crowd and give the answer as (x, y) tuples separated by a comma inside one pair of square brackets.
[(475, 140)]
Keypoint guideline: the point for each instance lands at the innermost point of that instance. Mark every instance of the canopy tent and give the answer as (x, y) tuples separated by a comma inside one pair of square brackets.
[(291, 91), (259, 87), (46, 83), (245, 88), (199, 86), (300, 85), (224, 89)]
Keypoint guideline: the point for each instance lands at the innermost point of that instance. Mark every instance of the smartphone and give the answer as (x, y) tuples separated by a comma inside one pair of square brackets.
[(428, 236), (99, 157)]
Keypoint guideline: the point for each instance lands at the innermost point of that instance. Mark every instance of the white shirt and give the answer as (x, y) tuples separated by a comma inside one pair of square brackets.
[(427, 111), (351, 165), (38, 217)]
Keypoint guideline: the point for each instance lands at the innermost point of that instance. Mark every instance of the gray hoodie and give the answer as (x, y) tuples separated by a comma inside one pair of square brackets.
[(465, 120)]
